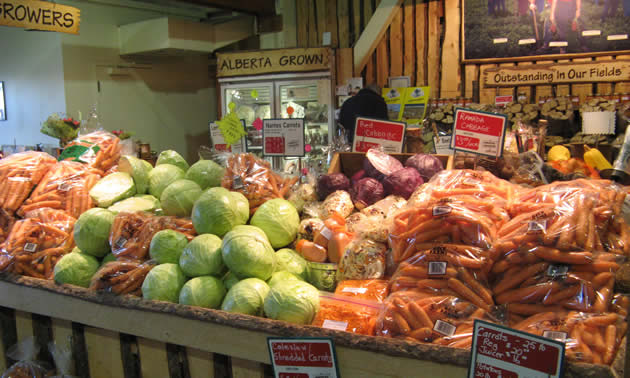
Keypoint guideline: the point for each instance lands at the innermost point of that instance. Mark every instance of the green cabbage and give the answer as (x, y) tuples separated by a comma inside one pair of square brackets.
[(230, 279), (292, 301), (206, 291), (179, 197), (108, 258), (279, 220), (139, 202), (292, 262), (246, 297), (206, 173), (248, 254), (167, 246), (251, 229), (218, 210), (279, 277), (202, 257), (91, 231), (163, 283), (162, 176), (138, 170), (173, 158), (113, 188), (147, 165), (76, 269)]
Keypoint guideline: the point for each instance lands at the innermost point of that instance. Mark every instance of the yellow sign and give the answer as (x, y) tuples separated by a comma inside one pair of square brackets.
[(40, 15), (615, 70), (268, 61)]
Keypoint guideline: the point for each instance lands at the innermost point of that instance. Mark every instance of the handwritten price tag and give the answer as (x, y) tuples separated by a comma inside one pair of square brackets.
[(303, 358), (231, 128), (479, 132), (219, 143), (370, 133)]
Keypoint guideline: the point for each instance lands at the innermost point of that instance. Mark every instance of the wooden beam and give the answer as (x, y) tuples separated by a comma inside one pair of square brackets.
[(409, 61), (396, 45), (451, 69), (343, 17), (433, 49), (331, 20), (312, 25), (269, 24), (322, 26), (370, 73), (302, 22), (382, 63), (374, 31), (421, 43), (344, 65), (259, 7), (471, 73), (356, 19)]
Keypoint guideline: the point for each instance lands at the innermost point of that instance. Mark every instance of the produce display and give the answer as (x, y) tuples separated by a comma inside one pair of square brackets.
[(400, 249)]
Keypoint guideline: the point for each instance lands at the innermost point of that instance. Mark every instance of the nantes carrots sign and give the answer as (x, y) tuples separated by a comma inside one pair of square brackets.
[(40, 15)]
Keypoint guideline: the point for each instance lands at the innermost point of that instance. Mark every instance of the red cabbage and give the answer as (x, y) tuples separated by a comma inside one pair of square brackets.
[(427, 165), (327, 184), (403, 182), (357, 176), (378, 164), (366, 192)]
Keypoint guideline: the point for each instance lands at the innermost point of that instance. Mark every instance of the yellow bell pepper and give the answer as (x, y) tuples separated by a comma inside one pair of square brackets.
[(558, 153), (594, 158)]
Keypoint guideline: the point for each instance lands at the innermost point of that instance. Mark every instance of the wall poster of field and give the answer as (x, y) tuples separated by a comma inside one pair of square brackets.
[(527, 28)]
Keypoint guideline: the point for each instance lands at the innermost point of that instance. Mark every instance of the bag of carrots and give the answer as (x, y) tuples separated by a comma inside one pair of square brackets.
[(98, 149), (373, 290), (346, 314), (36, 243), (66, 187), (19, 174), (254, 178), (588, 337), (131, 233), (6, 222), (122, 277)]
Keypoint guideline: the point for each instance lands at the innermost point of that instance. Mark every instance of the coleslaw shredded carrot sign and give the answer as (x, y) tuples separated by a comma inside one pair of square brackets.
[(303, 357), (479, 132), (499, 351)]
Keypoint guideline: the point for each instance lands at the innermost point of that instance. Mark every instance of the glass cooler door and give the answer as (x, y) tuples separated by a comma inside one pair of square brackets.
[(250, 102)]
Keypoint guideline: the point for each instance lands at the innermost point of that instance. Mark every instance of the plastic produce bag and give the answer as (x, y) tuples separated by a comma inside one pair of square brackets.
[(98, 149), (36, 243), (363, 259), (19, 174), (373, 290), (468, 182), (25, 352), (63, 360), (346, 314), (6, 223), (66, 187), (122, 277), (338, 202)]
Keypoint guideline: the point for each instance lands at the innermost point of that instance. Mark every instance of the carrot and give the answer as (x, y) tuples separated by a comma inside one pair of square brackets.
[(601, 320), (563, 294), (434, 284), (422, 334), (587, 354), (601, 279), (482, 291), (531, 309), (466, 293), (401, 323), (552, 254), (510, 281), (420, 315), (527, 294), (603, 297)]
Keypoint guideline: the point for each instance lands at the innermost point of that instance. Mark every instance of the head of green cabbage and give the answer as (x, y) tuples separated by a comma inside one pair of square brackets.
[(280, 221), (292, 301), (246, 297), (248, 254), (218, 210)]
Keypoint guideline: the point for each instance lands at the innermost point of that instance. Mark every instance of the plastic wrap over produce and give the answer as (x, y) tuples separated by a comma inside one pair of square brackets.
[(131, 233), (343, 313), (363, 259), (19, 174), (98, 149), (122, 277), (320, 241), (373, 290), (36, 243)]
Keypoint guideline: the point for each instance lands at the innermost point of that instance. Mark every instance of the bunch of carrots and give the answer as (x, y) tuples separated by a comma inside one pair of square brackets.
[(19, 174), (108, 152), (66, 186), (37, 242), (122, 277)]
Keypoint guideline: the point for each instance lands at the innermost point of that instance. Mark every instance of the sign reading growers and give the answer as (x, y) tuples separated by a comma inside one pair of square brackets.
[(40, 15), (614, 70), (268, 61), (283, 137), (303, 358)]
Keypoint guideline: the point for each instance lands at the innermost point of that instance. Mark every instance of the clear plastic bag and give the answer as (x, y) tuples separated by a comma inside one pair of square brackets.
[(363, 259), (320, 241), (19, 174), (6, 223), (131, 233), (63, 360), (346, 314), (122, 277), (478, 184), (25, 352), (66, 187), (337, 202), (373, 290), (98, 149)]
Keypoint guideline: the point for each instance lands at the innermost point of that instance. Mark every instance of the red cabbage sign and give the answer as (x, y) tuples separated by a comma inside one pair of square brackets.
[(303, 358), (479, 132), (369, 132), (499, 351)]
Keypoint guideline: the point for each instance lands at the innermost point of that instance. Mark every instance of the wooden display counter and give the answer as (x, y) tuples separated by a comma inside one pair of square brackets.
[(116, 336)]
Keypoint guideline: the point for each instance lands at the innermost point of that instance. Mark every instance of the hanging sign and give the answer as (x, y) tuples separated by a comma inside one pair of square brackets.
[(283, 137), (269, 61), (303, 358), (40, 15), (478, 132), (370, 132), (499, 351), (219, 143), (232, 129)]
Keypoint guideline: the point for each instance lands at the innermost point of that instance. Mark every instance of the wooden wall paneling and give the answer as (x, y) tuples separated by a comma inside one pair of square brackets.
[(344, 65), (396, 45), (505, 90), (356, 18), (343, 21), (104, 355), (526, 89), (331, 21), (623, 86), (153, 358), (486, 95), (582, 90), (302, 22), (604, 88), (370, 73), (312, 25), (543, 90), (247, 369), (451, 69), (382, 62), (433, 48), (200, 363), (471, 74), (563, 89), (421, 42), (322, 25), (409, 43)]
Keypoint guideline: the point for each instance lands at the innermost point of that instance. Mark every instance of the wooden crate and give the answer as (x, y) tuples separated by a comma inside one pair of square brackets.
[(350, 163)]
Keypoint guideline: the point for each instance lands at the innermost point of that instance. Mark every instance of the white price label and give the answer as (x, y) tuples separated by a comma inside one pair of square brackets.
[(555, 335), (335, 324), (326, 233), (441, 210), (445, 328), (536, 226), (437, 268), (354, 290), (30, 247), (557, 270), (120, 243), (237, 182)]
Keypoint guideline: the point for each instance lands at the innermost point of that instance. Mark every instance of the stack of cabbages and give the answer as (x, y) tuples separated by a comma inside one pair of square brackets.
[(235, 263)]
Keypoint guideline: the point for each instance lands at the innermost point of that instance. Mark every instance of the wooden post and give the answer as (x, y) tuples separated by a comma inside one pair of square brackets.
[(343, 17), (395, 44), (200, 363), (370, 73), (451, 69), (471, 74), (247, 369), (382, 63), (153, 358), (104, 355), (302, 22), (331, 19), (433, 53), (313, 33), (356, 19), (409, 61), (421, 43), (486, 95), (322, 24)]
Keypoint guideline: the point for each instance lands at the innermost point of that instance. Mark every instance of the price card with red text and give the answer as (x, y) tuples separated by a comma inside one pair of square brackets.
[(303, 357), (499, 351), (219, 143), (369, 132), (283, 137), (503, 100), (479, 132)]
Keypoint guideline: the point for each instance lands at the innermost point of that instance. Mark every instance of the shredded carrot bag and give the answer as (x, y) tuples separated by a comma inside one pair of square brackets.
[(374, 290), (346, 314)]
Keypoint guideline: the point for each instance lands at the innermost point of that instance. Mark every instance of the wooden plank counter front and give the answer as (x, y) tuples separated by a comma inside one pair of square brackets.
[(242, 337)]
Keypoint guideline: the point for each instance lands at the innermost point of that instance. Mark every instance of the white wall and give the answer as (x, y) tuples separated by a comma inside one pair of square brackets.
[(31, 68)]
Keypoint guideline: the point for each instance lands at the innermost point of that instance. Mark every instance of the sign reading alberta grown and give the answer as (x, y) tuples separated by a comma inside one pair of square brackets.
[(40, 15), (268, 61)]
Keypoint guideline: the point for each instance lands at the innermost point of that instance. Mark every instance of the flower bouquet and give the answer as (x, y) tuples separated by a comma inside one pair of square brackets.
[(64, 129)]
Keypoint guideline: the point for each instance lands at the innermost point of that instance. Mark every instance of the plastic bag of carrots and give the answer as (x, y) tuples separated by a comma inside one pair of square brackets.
[(131, 233), (66, 187), (588, 337), (122, 277), (98, 149), (36, 243), (438, 319), (254, 178), (372, 290), (19, 174), (347, 314), (6, 222)]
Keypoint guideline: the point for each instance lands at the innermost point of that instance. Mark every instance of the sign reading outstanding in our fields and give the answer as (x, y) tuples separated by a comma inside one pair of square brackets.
[(40, 15)]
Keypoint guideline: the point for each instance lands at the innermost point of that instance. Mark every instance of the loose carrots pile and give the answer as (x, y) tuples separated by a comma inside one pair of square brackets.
[(19, 174), (122, 277), (66, 187), (108, 149), (35, 243), (131, 233), (254, 178)]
